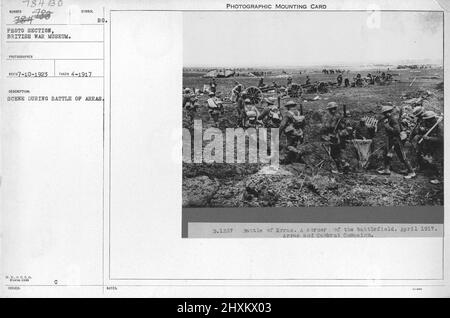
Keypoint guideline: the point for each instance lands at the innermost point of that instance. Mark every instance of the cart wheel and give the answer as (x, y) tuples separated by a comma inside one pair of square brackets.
[(254, 94)]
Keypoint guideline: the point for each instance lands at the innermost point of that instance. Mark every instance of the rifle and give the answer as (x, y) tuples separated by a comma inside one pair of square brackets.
[(431, 129)]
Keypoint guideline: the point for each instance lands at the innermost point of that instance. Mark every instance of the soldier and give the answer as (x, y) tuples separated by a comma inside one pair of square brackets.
[(215, 107), (339, 80), (394, 143), (271, 115), (308, 81), (292, 126), (337, 131), (430, 144), (240, 107), (346, 82), (186, 96), (358, 80), (251, 114), (418, 113), (213, 85), (261, 83), (289, 82), (191, 108)]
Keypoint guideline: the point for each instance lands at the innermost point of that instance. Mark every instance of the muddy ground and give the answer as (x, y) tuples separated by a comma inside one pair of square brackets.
[(313, 184)]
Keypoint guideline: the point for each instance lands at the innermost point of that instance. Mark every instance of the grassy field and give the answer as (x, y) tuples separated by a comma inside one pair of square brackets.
[(231, 185)]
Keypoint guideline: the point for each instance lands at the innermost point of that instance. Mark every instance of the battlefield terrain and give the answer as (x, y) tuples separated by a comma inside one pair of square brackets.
[(313, 184)]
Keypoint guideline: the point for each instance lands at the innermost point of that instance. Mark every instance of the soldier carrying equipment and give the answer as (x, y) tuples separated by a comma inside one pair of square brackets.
[(418, 113), (394, 143), (215, 107), (292, 126), (271, 115), (251, 114), (430, 144), (337, 131), (191, 108)]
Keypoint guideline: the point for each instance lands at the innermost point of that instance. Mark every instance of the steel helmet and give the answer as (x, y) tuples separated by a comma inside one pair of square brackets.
[(247, 101), (386, 109), (429, 115), (418, 111), (332, 105), (291, 103), (211, 94)]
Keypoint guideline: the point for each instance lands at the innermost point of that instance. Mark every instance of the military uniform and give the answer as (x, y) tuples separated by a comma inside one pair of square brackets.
[(213, 86), (240, 107), (431, 145), (418, 113), (292, 126), (271, 115), (215, 107), (394, 142), (191, 108), (335, 127)]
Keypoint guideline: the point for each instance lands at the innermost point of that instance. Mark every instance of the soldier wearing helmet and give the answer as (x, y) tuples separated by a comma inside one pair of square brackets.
[(251, 114), (271, 115), (430, 145), (336, 130), (418, 113), (191, 108), (292, 126), (215, 107), (394, 143), (187, 96)]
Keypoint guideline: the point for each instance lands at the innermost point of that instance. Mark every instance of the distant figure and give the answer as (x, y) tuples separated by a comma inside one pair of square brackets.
[(339, 80), (346, 82), (261, 82), (213, 85), (289, 81), (308, 81)]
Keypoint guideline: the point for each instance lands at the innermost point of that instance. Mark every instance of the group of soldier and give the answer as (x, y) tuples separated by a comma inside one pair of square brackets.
[(337, 130), (358, 80)]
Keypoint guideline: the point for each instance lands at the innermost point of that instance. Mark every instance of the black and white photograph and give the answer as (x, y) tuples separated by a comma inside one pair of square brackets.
[(307, 109), (224, 149)]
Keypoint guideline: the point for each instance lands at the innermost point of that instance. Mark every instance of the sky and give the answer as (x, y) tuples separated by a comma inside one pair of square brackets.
[(290, 39)]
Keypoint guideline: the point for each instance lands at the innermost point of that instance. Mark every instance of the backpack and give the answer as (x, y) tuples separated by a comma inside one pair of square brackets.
[(297, 118), (275, 114)]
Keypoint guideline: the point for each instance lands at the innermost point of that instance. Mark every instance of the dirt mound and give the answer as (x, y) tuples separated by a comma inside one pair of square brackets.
[(198, 191), (259, 190)]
